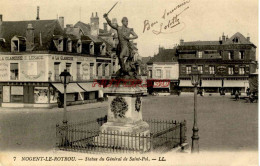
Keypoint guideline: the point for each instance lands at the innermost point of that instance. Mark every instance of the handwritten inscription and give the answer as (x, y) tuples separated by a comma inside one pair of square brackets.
[(169, 20)]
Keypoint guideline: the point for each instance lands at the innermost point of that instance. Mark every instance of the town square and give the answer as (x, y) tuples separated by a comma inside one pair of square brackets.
[(107, 79)]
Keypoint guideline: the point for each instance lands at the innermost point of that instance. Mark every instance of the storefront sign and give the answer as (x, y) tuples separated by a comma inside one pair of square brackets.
[(221, 68), (21, 57), (60, 57), (70, 58)]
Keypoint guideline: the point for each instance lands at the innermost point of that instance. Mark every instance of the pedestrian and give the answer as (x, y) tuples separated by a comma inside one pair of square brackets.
[(236, 95), (248, 91)]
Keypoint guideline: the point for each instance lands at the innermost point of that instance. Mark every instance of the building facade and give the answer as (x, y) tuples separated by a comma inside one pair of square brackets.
[(163, 71), (223, 65), (33, 54)]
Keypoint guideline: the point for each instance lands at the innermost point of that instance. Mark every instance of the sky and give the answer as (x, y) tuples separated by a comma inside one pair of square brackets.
[(194, 20)]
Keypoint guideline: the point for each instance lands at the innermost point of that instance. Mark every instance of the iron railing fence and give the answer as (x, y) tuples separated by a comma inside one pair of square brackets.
[(85, 136)]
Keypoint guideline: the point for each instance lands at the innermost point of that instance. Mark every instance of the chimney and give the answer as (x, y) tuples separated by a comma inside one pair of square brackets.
[(248, 37), (61, 21), (1, 18), (181, 42), (29, 38), (105, 26), (92, 15), (96, 14), (38, 13), (223, 38)]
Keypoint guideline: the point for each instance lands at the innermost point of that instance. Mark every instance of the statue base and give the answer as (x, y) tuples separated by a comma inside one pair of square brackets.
[(125, 123)]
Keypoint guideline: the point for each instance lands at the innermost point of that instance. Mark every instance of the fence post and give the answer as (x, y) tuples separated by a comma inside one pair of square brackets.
[(181, 134), (184, 131), (151, 142)]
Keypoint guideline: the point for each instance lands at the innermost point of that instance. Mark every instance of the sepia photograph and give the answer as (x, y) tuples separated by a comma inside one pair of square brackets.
[(128, 82)]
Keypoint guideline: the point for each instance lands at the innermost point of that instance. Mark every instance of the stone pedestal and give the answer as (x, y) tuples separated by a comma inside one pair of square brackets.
[(125, 110), (125, 119)]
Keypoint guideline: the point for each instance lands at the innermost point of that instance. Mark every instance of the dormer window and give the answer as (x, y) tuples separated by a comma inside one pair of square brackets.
[(103, 49), (18, 44), (58, 42), (79, 46), (69, 45), (235, 40), (91, 48)]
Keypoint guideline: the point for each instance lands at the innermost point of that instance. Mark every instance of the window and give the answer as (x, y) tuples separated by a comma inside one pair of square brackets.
[(103, 69), (241, 54), (150, 73), (231, 55), (79, 47), (235, 40), (17, 94), (91, 70), (188, 69), (69, 46), (78, 71), (56, 70), (230, 70), (168, 74), (241, 70), (68, 67), (211, 69), (200, 54), (158, 73), (107, 70), (200, 69), (14, 71)]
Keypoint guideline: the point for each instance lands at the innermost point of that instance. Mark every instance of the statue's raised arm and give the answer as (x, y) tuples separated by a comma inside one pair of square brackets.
[(115, 26)]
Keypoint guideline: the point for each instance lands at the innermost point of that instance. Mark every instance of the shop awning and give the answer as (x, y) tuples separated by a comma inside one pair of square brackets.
[(89, 86), (235, 83), (71, 88), (185, 83), (211, 83)]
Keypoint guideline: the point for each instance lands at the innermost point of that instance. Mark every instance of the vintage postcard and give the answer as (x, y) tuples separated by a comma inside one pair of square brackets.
[(128, 82)]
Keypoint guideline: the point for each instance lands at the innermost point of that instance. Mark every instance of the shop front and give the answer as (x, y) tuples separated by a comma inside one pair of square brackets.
[(211, 86), (24, 94), (231, 86), (186, 86)]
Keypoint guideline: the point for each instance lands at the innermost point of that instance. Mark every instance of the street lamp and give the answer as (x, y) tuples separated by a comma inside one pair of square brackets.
[(65, 79), (195, 80)]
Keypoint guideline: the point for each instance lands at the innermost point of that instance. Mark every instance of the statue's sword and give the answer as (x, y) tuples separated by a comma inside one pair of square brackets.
[(112, 8)]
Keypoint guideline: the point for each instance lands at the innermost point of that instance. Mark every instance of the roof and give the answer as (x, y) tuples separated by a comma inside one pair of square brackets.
[(241, 39), (95, 39), (146, 59), (165, 55), (192, 43), (47, 28), (86, 28)]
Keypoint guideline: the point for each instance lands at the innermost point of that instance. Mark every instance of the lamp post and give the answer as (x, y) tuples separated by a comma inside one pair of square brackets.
[(195, 80), (49, 79), (65, 79)]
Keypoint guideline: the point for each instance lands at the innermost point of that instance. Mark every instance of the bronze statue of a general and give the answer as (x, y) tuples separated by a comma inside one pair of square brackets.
[(125, 49)]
